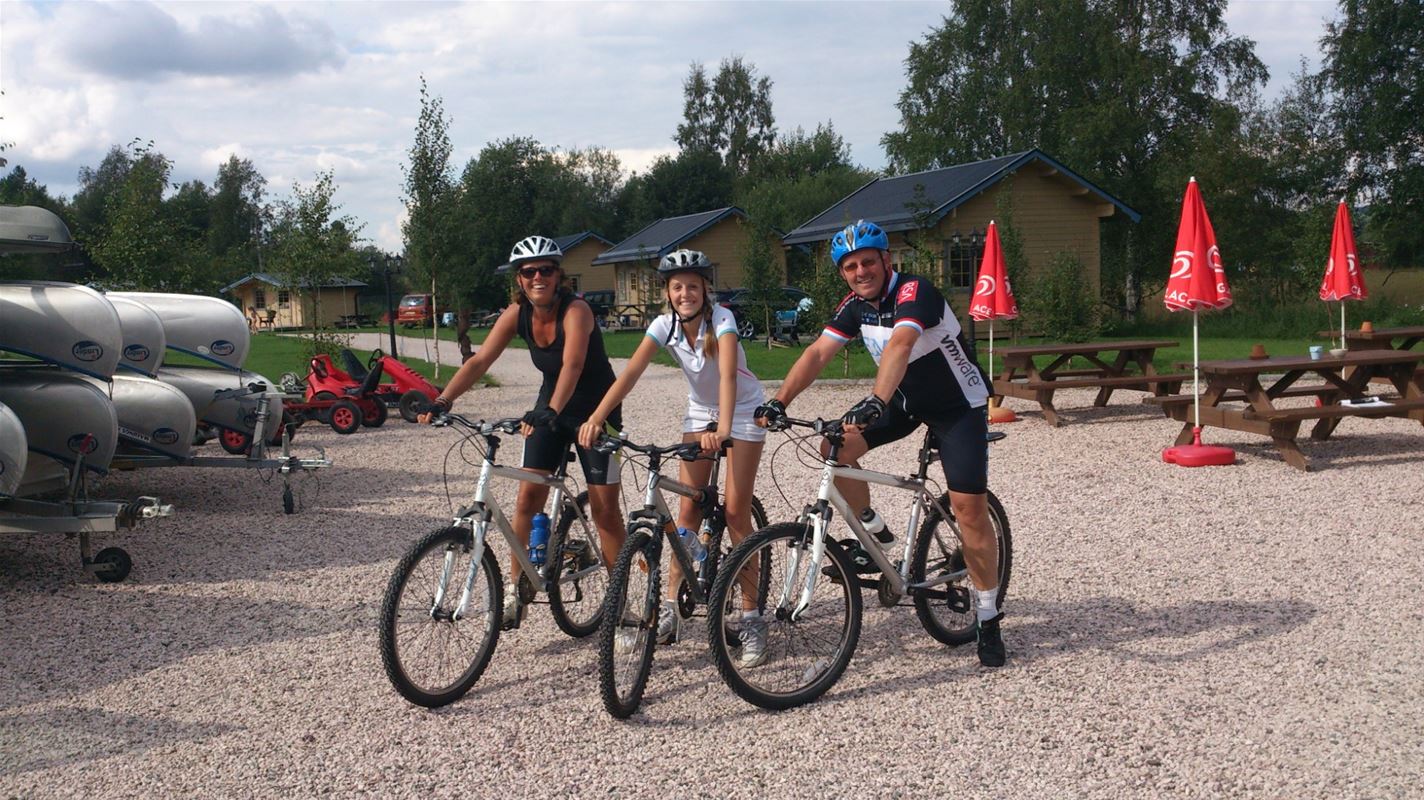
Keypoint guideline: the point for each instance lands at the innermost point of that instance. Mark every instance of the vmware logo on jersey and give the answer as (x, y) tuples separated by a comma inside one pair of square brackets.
[(87, 350), (222, 347), (136, 352), (165, 436), (83, 443)]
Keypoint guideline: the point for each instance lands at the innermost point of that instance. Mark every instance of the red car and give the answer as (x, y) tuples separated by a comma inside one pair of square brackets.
[(416, 310)]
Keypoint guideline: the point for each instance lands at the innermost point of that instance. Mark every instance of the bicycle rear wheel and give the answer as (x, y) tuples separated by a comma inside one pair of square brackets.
[(804, 657), (431, 657), (946, 610), (577, 580), (630, 623)]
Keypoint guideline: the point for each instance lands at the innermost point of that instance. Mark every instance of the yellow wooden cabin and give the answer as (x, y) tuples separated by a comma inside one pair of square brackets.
[(1055, 210), (721, 234), (269, 303)]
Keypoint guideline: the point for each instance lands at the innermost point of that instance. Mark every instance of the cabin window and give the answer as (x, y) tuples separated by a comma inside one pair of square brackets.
[(259, 298), (573, 283), (284, 298)]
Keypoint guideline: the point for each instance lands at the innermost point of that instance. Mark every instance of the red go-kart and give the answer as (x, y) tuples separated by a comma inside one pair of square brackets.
[(340, 400), (407, 390)]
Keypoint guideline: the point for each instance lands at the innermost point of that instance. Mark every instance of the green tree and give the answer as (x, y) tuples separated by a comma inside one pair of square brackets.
[(1374, 65), (1115, 88), (692, 182), (762, 276), (730, 114), (312, 244), (134, 245), (430, 231), (238, 214)]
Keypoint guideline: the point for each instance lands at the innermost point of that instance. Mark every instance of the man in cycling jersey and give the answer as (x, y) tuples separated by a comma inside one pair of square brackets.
[(927, 375)]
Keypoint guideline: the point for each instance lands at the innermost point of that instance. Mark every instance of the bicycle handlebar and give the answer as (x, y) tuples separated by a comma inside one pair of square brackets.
[(687, 451), (482, 427)]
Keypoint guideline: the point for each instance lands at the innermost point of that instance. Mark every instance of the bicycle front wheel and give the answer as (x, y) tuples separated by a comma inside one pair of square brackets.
[(577, 579), (431, 653), (946, 609), (765, 654), (630, 623)]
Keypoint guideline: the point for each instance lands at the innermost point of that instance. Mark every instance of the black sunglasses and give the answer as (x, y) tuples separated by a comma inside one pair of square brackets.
[(544, 271)]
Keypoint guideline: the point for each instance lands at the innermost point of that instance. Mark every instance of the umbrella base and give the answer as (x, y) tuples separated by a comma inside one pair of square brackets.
[(998, 413), (1197, 454)]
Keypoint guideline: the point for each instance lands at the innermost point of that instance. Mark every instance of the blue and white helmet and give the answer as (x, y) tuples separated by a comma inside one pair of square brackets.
[(855, 237)]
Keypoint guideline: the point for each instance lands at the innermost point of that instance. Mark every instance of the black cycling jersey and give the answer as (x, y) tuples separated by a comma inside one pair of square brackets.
[(943, 373), (593, 382)]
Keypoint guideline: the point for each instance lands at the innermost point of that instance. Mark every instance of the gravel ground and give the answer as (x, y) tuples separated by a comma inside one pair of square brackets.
[(1247, 631)]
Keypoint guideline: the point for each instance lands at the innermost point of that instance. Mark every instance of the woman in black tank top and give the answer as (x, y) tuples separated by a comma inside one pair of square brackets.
[(567, 349)]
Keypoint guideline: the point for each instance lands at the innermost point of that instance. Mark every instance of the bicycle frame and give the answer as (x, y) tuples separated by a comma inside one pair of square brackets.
[(819, 515), (484, 509), (655, 509)]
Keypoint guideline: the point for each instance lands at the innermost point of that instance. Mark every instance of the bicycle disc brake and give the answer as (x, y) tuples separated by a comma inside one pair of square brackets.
[(685, 604)]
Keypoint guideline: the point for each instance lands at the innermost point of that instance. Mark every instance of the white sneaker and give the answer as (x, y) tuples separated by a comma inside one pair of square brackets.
[(753, 638), (513, 609), (626, 640), (669, 623)]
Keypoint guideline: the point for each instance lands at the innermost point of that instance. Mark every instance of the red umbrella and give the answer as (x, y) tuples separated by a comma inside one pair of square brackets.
[(1343, 280), (1197, 281), (993, 299)]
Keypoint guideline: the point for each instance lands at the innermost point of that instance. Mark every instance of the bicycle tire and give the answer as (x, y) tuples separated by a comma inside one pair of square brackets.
[(932, 606), (577, 613), (622, 689), (805, 683), (397, 656)]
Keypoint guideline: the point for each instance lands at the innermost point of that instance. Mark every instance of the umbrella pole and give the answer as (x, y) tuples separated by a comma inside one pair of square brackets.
[(991, 355), (1342, 322), (1196, 381)]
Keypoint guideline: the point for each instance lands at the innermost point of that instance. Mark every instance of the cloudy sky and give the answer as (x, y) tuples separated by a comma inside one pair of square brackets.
[(298, 87)]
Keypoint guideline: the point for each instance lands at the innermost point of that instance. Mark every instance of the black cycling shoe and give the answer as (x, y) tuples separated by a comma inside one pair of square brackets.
[(991, 643)]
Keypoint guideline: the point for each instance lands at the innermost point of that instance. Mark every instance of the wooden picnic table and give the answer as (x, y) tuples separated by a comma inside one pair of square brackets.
[(1380, 338), (353, 321), (1132, 369), (1346, 379)]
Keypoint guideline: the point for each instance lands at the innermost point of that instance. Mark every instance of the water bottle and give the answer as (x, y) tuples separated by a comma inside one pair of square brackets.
[(693, 543), (875, 526), (539, 539)]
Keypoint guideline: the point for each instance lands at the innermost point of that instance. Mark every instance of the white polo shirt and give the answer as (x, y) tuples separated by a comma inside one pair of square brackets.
[(703, 377)]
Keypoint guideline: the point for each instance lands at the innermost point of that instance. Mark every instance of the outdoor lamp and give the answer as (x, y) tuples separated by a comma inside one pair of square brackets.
[(388, 264)]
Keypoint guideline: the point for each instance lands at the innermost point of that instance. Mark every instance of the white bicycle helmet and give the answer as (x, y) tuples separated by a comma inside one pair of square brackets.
[(535, 248), (685, 261)]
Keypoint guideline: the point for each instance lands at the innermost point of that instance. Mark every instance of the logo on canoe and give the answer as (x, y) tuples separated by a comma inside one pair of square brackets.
[(87, 350), (165, 436), (136, 352), (222, 347), (83, 443)]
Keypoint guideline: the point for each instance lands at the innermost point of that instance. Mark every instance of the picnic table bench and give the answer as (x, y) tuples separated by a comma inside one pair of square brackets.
[(1341, 395), (354, 321), (1021, 377)]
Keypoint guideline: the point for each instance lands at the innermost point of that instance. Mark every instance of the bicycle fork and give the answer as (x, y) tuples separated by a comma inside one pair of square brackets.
[(820, 518)]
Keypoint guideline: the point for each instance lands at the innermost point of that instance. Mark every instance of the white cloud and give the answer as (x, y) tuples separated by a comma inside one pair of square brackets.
[(342, 93)]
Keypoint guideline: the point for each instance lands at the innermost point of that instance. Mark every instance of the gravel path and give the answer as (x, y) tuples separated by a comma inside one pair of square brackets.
[(1248, 631)]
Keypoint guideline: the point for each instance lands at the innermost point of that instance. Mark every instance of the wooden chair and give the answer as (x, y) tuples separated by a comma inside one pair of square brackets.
[(268, 319)]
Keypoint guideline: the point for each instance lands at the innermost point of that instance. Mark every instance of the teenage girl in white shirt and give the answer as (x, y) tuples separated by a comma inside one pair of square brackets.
[(702, 337)]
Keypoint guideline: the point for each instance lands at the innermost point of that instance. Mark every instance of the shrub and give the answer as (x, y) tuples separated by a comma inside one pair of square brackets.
[(1060, 303)]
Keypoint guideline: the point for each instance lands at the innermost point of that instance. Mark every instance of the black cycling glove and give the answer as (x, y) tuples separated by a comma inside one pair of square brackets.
[(865, 412), (773, 411), (540, 418)]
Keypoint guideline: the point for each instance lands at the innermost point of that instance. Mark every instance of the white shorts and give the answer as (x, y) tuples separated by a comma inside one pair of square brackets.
[(744, 426)]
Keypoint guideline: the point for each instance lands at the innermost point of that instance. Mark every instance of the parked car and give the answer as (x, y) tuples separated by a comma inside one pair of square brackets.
[(601, 301), (793, 302), (416, 310)]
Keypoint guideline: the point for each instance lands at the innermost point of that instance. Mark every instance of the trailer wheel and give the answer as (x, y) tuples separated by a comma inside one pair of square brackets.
[(113, 564), (345, 417), (373, 413), (235, 442), (410, 404)]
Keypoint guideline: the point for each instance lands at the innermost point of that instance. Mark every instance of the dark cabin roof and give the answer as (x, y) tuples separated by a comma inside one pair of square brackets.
[(664, 236), (330, 283), (888, 201), (567, 243)]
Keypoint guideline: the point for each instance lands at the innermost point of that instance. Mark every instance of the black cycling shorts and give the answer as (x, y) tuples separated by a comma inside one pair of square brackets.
[(546, 447), (963, 443)]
